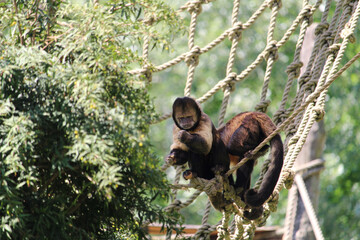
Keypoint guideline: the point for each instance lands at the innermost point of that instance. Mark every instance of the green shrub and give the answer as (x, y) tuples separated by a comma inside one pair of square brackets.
[(75, 160)]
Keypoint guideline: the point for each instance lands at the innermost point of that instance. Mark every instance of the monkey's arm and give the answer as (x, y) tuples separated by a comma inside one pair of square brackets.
[(199, 140), (195, 142)]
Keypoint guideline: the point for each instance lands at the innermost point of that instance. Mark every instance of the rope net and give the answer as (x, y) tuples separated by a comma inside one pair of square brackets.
[(333, 34)]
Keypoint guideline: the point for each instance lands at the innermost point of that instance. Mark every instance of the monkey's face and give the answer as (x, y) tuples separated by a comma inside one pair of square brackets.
[(186, 122), (186, 113)]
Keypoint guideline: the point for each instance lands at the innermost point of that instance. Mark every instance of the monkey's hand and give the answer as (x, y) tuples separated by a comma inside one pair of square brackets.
[(170, 159), (184, 136), (177, 157)]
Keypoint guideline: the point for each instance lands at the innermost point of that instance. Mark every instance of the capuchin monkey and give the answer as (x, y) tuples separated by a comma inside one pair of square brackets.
[(206, 149), (196, 141), (241, 135)]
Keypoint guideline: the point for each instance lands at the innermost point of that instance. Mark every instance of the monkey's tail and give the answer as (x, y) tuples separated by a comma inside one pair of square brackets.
[(257, 197)]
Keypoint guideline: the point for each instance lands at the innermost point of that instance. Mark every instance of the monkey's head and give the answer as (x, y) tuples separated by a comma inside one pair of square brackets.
[(186, 113)]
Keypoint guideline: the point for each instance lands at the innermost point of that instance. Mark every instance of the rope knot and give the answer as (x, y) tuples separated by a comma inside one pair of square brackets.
[(231, 81), (236, 32), (175, 205), (328, 37), (311, 85), (194, 7), (333, 49), (304, 78), (274, 3), (321, 28), (222, 232), (271, 50), (192, 58), (294, 68), (212, 187), (262, 106), (148, 72), (272, 203), (203, 231), (307, 13), (347, 33), (280, 116), (289, 175), (320, 113)]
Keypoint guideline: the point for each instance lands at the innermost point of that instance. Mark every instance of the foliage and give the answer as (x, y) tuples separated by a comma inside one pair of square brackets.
[(75, 160)]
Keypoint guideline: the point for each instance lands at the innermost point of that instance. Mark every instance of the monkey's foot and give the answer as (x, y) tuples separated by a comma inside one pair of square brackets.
[(253, 213), (188, 174)]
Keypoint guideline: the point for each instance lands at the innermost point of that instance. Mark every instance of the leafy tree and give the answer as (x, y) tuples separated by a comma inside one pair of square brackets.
[(75, 160)]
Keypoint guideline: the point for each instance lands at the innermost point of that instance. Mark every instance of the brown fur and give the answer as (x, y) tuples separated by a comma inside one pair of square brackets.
[(196, 141), (241, 135), (204, 129)]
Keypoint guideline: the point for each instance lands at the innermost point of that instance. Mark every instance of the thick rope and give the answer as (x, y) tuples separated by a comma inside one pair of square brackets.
[(308, 207), (271, 57), (208, 47), (308, 9), (235, 38), (290, 214), (192, 60)]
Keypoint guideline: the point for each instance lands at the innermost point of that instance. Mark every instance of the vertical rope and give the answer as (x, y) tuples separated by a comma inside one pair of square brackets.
[(271, 57), (206, 213), (223, 232), (239, 230), (308, 207), (192, 59), (293, 69), (290, 213), (149, 20), (179, 170), (235, 38)]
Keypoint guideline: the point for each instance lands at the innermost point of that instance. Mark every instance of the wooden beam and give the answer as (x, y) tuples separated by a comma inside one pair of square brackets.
[(261, 233)]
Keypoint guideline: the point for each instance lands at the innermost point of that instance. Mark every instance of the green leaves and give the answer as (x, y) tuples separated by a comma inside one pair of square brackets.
[(75, 161)]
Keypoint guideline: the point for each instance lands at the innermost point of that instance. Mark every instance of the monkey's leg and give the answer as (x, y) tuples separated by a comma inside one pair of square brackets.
[(243, 178)]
